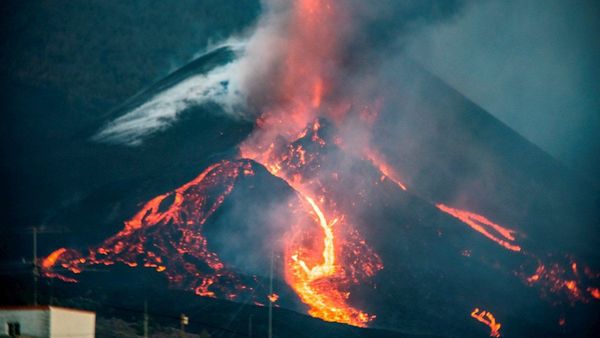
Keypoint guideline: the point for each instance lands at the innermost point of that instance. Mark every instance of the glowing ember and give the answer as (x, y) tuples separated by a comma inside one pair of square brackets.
[(488, 319), (595, 292), (571, 285), (552, 278), (484, 226), (273, 297), (537, 275)]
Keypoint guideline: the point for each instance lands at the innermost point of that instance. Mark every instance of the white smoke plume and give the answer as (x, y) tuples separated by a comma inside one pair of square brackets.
[(227, 85), (246, 82), (165, 107)]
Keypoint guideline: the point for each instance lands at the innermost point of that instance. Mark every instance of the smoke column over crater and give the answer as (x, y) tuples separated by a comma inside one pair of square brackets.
[(341, 41), (342, 123)]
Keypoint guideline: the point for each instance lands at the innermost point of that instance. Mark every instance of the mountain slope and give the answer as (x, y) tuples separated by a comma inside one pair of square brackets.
[(437, 267)]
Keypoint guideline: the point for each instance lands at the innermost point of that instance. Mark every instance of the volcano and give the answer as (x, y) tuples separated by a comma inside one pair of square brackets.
[(299, 172), (452, 225)]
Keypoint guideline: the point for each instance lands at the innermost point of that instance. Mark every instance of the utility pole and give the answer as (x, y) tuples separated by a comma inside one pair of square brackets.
[(35, 268), (270, 301), (146, 318), (250, 326), (35, 231), (183, 321)]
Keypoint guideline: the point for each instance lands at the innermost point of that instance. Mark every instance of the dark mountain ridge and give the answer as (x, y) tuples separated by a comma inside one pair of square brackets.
[(447, 150)]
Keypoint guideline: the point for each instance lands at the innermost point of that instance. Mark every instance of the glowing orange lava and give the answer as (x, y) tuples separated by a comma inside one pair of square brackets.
[(388, 172), (595, 292), (302, 82), (553, 278), (166, 234), (325, 299), (488, 319), (315, 272), (49, 261), (484, 226), (323, 252)]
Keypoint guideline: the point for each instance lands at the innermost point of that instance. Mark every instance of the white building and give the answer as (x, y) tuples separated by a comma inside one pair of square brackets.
[(46, 321)]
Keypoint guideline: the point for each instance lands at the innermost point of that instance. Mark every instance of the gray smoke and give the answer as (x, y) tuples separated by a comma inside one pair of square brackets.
[(532, 64), (374, 32)]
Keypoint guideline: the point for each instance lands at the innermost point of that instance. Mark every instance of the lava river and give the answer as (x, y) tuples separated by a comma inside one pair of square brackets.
[(323, 253)]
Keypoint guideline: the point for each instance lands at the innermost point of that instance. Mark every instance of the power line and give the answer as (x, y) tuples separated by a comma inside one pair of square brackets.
[(145, 318), (170, 316), (36, 272)]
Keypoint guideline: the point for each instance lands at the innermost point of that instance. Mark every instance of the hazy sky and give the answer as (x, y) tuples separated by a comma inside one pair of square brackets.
[(533, 64)]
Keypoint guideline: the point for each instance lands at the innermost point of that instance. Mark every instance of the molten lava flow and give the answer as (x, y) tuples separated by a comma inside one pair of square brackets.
[(321, 274), (166, 235), (553, 279), (315, 269), (289, 150), (324, 254), (483, 226), (317, 286), (49, 261), (386, 170), (327, 267), (488, 319)]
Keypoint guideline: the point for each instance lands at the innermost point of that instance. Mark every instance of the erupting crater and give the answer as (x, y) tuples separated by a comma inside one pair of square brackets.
[(325, 257)]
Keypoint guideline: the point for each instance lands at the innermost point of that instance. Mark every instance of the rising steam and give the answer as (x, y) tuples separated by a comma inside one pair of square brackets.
[(309, 76), (356, 33)]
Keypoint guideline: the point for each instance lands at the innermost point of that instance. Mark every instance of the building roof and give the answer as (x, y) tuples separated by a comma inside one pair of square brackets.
[(40, 308)]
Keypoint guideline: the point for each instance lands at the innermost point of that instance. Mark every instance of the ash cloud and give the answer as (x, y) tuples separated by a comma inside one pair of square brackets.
[(366, 33)]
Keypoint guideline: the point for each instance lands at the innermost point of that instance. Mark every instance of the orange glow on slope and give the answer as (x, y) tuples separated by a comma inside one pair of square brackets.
[(49, 261), (595, 292), (388, 172), (314, 270), (571, 285), (483, 226), (164, 232), (273, 297), (310, 55), (302, 82), (537, 274), (327, 267), (488, 319), (314, 284), (150, 213), (554, 278), (323, 253)]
